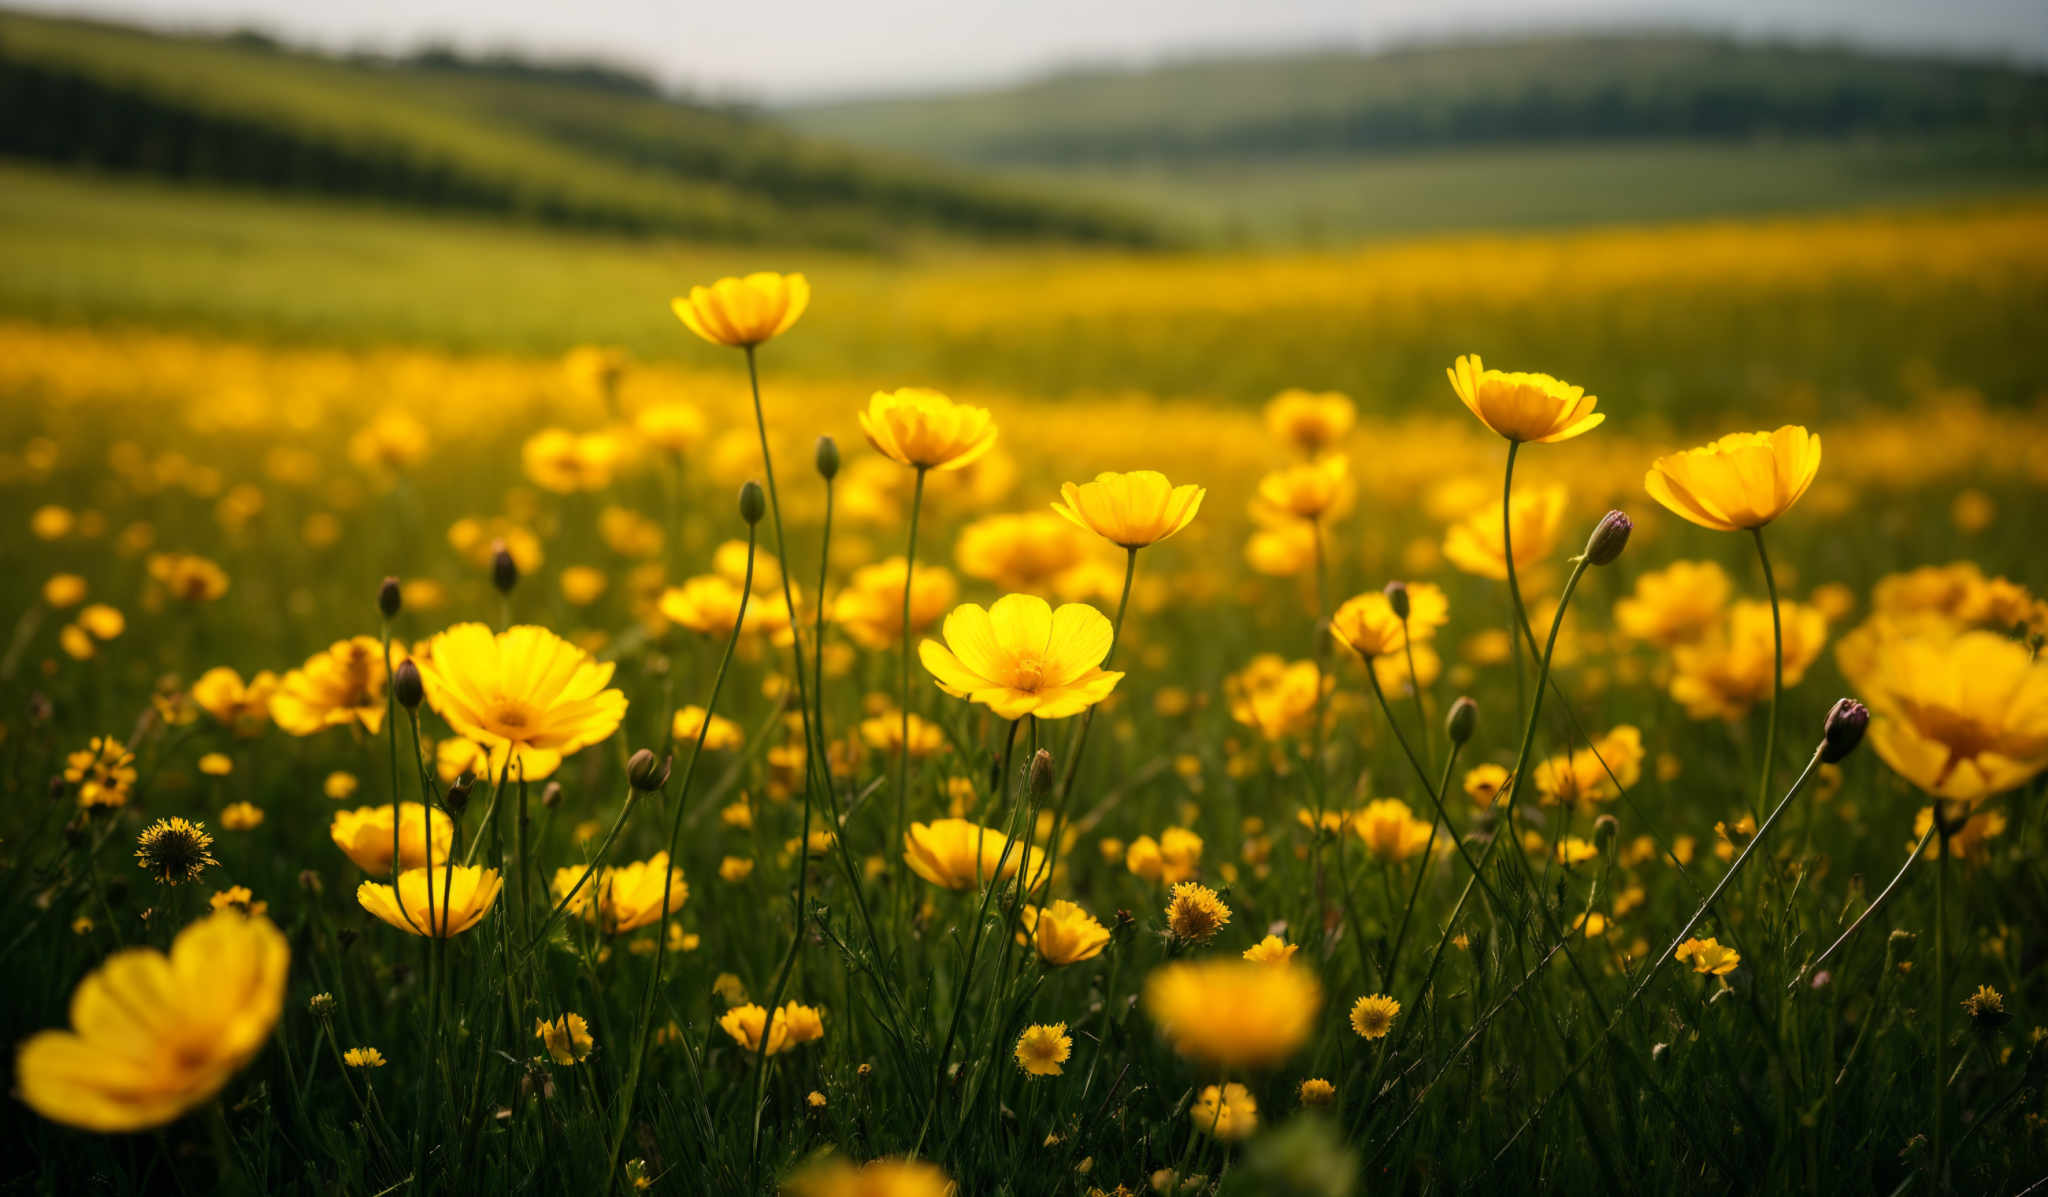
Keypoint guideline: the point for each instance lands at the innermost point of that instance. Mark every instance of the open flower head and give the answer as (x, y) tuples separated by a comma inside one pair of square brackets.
[(1707, 957), (459, 897), (1234, 1013), (1131, 510), (1226, 1112), (566, 1037), (525, 691), (743, 312), (625, 898), (1064, 933), (959, 855), (926, 430), (1021, 657), (1195, 913), (1372, 1016), (793, 1026), (1042, 1050), (1962, 717), (365, 835), (155, 1035), (1367, 625), (835, 1177), (1310, 421), (1742, 481), (1311, 490), (1534, 517), (335, 688), (1523, 407)]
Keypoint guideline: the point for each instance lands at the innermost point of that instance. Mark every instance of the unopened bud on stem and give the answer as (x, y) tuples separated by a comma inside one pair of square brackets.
[(389, 599), (1397, 598), (753, 504), (406, 685), (828, 456), (504, 570), (646, 771), (1041, 773), (1462, 719), (1843, 730), (1610, 537)]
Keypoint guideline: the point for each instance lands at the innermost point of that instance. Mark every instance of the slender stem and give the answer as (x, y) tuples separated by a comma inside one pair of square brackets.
[(1871, 909), (1518, 619), (1421, 871), (903, 691), (1415, 688), (391, 734), (1116, 634), (1763, 785), (1941, 865)]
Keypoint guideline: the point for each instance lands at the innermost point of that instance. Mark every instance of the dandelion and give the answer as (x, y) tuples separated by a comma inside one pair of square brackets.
[(1232, 1013), (459, 903), (1042, 1049), (1707, 957), (1130, 510), (1021, 657), (129, 1065), (1372, 1016), (1986, 1009), (525, 691), (175, 850), (1063, 933), (1195, 913), (1225, 1112), (1523, 407), (363, 1057), (103, 771), (741, 313), (626, 898)]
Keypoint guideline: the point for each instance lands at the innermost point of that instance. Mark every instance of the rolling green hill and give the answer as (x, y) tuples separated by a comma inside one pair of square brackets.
[(1483, 93), (562, 148)]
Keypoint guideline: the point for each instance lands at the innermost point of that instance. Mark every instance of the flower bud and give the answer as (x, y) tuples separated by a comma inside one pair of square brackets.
[(388, 598), (1843, 730), (1898, 946), (1397, 598), (322, 1005), (504, 570), (646, 771), (1462, 719), (406, 685), (1041, 773), (1605, 828), (551, 797), (753, 504), (1610, 537), (457, 797), (828, 456)]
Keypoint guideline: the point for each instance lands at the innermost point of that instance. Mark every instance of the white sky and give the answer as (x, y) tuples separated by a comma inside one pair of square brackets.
[(787, 50)]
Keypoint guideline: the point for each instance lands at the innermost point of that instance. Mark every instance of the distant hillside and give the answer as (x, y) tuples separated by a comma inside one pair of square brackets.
[(1553, 89), (578, 146)]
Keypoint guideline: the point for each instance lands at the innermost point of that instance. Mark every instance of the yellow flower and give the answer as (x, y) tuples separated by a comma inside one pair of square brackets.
[(241, 816), (559, 460), (1233, 1013), (744, 312), (1020, 657), (175, 850), (583, 585), (878, 1178), (672, 427), (1971, 841), (1372, 1016), (1390, 831), (1171, 859), (524, 690), (723, 736), (64, 590), (1064, 933), (1195, 913), (1726, 674), (567, 1038), (1474, 545), (1272, 950), (1315, 1091), (243, 708), (1367, 625), (340, 785), (870, 609), (735, 869), (365, 835), (153, 1035), (188, 576), (103, 771), (1964, 717), (1310, 421), (239, 898), (1276, 696), (340, 686), (459, 904), (1707, 957), (1227, 1112), (363, 1057), (926, 430), (1572, 851), (793, 1026), (1027, 552), (1131, 510), (710, 605), (1675, 605), (1310, 490), (957, 854), (1523, 407), (1744, 480), (625, 898), (884, 733), (1584, 776), (1042, 1049), (1484, 783)]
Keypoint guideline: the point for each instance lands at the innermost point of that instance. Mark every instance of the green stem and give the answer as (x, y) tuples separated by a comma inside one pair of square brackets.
[(1116, 634), (1763, 785), (1518, 619), (903, 693), (1940, 1135)]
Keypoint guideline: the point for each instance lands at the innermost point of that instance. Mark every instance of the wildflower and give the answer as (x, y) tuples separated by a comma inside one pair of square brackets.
[(926, 430), (1311, 490), (1315, 1091), (1131, 510), (1730, 671), (793, 1026), (103, 771), (365, 834), (241, 816), (1171, 859), (560, 461), (1195, 913), (1372, 1016), (1272, 950), (870, 609), (671, 427), (1276, 696), (340, 785), (237, 897), (735, 869), (1740, 482), (343, 685), (1021, 657), (638, 1175), (583, 585), (625, 898), (217, 764), (1026, 552), (459, 902), (744, 312), (956, 854), (64, 590), (1232, 1013), (102, 621), (1597, 773), (1572, 851), (1523, 407), (1675, 605), (129, 1065), (1536, 515), (1227, 1112), (1310, 421), (1962, 717), (525, 691), (567, 1038), (175, 850), (884, 733), (363, 1057), (1390, 831), (710, 606), (1986, 1009), (188, 576), (723, 736), (877, 1178), (1484, 783), (1064, 933), (1368, 625), (1707, 957), (1971, 841), (1042, 1049), (392, 442)]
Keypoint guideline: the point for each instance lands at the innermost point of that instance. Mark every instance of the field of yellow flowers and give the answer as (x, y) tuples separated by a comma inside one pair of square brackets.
[(434, 771)]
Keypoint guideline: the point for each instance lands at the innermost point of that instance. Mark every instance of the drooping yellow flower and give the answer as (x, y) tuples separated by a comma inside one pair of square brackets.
[(1310, 421), (1535, 516), (153, 1036), (1963, 717), (1272, 950), (1195, 913), (461, 898), (1390, 831), (1707, 957), (1311, 490), (743, 312), (1021, 657), (625, 898), (1227, 1112), (103, 771), (793, 1026), (340, 686), (1742, 481), (1234, 1013), (877, 1178), (1132, 510), (1367, 625), (956, 854), (1523, 407), (242, 708), (525, 691), (926, 430), (1675, 605), (1372, 1016), (1064, 933), (566, 1036), (1043, 1049), (365, 834), (870, 609), (1730, 671)]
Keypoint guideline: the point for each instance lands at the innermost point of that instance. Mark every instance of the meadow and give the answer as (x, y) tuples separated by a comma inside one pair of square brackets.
[(1212, 881)]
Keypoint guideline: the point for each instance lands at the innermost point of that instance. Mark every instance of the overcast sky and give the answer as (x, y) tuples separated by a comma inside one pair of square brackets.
[(786, 50)]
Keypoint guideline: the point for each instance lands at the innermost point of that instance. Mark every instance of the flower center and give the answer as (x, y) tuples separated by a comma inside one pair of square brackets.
[(1027, 672)]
